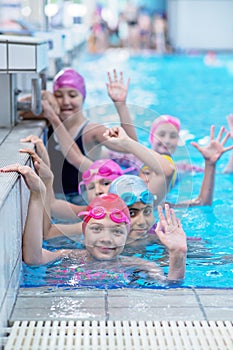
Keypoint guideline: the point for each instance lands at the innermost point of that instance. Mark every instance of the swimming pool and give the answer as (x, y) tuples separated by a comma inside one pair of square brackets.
[(199, 95)]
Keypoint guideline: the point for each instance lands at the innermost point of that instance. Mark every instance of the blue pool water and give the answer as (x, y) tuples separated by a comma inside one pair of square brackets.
[(199, 95)]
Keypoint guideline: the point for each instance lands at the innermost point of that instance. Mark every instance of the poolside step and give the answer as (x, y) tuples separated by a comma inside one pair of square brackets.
[(120, 335)]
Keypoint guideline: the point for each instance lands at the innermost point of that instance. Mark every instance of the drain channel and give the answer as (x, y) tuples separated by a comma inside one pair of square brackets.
[(123, 335)]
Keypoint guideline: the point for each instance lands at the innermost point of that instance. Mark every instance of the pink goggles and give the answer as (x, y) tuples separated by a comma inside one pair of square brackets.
[(99, 213)]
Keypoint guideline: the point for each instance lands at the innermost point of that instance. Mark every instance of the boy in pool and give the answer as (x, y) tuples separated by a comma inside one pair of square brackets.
[(106, 225)]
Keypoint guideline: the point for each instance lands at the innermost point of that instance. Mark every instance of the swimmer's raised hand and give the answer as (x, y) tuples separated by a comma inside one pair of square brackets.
[(170, 231), (117, 89), (215, 149)]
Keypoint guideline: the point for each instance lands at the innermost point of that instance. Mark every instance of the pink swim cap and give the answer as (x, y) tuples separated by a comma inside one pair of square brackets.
[(102, 169), (163, 119), (68, 77), (106, 204)]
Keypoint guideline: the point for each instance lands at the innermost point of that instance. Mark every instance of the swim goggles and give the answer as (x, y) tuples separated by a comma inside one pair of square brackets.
[(130, 198), (99, 213), (103, 170)]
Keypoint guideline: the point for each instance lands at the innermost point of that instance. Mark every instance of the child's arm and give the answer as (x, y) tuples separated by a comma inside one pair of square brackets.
[(69, 148), (229, 167), (118, 91), (170, 232), (46, 175), (65, 230), (64, 210), (56, 207), (33, 254), (211, 153), (162, 168), (142, 265)]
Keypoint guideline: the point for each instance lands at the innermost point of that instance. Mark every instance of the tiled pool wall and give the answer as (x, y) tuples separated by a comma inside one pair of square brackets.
[(14, 197)]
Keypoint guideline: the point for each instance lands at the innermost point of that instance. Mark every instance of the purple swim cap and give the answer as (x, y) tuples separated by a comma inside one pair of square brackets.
[(68, 77)]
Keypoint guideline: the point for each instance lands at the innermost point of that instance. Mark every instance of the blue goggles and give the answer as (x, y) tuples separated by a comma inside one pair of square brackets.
[(130, 198)]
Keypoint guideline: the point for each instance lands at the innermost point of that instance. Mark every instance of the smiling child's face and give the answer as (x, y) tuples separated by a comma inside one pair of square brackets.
[(105, 239), (141, 220), (70, 102)]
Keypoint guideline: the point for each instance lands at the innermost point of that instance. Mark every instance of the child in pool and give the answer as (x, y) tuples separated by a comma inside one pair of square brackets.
[(72, 136), (95, 180), (163, 170), (106, 225), (164, 138), (211, 153), (140, 201), (143, 230)]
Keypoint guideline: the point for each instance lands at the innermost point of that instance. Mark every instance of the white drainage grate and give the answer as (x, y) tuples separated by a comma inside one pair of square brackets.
[(121, 335)]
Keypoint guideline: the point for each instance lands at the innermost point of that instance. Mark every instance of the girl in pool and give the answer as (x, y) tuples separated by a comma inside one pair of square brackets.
[(96, 179), (140, 201), (211, 153), (71, 128), (143, 230), (106, 225), (164, 138)]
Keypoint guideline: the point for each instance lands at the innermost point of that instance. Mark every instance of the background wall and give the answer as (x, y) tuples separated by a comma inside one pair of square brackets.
[(200, 24)]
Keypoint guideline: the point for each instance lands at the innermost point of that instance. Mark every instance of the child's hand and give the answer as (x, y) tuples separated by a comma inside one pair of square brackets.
[(49, 112), (41, 168), (215, 149), (32, 180), (170, 232), (31, 138), (116, 135), (49, 96), (40, 147), (117, 90)]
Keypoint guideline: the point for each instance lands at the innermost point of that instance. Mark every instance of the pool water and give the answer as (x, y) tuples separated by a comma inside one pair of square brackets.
[(199, 95)]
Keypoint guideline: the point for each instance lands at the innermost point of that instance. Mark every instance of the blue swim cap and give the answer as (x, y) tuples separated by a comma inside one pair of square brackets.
[(131, 189)]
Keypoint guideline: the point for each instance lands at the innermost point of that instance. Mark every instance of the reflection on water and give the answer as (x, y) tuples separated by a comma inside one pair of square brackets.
[(74, 272)]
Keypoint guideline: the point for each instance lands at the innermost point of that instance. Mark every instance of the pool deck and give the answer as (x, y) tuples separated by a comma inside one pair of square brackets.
[(123, 304), (126, 319)]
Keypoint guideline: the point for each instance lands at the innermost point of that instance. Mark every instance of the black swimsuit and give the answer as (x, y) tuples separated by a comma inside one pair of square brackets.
[(66, 176)]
